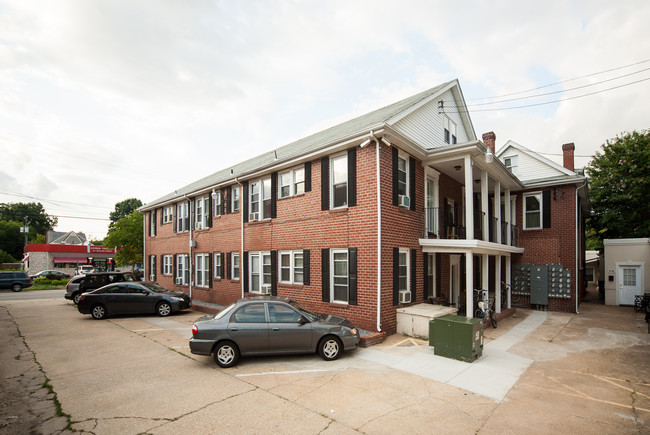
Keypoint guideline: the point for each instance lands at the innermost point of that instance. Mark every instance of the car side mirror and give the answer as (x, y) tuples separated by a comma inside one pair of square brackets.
[(302, 320)]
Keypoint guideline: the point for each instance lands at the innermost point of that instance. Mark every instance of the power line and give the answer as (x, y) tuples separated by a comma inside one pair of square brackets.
[(55, 202)]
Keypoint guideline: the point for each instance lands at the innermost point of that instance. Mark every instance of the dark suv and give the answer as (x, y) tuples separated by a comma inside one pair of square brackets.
[(91, 281), (16, 281)]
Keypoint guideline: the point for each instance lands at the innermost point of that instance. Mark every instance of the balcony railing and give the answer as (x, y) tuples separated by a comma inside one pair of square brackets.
[(478, 224), (494, 225), (447, 227), (431, 216)]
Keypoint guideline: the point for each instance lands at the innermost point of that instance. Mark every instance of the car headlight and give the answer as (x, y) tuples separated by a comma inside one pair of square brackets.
[(177, 299), (354, 331)]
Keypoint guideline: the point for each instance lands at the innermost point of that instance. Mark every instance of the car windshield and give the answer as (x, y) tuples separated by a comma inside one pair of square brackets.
[(130, 277), (305, 312), (153, 287), (225, 311)]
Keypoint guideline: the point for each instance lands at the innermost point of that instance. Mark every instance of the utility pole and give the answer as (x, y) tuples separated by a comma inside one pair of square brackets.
[(25, 230)]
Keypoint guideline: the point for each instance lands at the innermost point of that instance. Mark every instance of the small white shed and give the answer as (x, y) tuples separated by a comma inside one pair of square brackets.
[(627, 270)]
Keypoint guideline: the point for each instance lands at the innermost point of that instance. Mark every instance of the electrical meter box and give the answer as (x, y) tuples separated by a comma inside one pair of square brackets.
[(456, 337)]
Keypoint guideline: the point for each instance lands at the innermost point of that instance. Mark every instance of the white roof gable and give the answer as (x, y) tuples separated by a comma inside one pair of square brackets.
[(530, 165)]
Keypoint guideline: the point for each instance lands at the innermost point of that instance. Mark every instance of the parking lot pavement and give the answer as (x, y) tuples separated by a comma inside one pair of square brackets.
[(583, 373)]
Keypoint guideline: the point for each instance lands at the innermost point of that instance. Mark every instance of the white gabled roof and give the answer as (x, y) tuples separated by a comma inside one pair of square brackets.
[(533, 167)]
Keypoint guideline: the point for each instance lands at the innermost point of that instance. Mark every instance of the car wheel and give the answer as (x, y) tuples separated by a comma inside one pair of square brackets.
[(329, 348), (98, 312), (75, 298), (164, 309), (226, 354), (16, 288)]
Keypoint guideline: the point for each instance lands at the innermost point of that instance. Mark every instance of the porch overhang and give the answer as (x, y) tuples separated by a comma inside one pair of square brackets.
[(455, 246)]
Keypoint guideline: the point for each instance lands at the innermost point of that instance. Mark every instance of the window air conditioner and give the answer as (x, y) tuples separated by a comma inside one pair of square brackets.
[(254, 217), (199, 225), (266, 289), (179, 280), (404, 201), (404, 297), (152, 277)]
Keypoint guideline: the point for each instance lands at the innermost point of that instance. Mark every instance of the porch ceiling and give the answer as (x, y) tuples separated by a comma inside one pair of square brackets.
[(456, 246)]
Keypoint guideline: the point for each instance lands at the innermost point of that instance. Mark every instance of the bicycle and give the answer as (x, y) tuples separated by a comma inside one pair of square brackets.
[(485, 308)]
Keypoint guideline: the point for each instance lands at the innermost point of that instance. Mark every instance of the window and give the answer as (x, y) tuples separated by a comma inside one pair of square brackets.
[(260, 200), (167, 264), (218, 267), (340, 278), (167, 214), (291, 267), (252, 313), (152, 223), (283, 314), (403, 271), (182, 217), (339, 177), (260, 272), (450, 131), (512, 164), (533, 211), (202, 277), (202, 212), (629, 277), (152, 269), (234, 197), (182, 269), (431, 269), (218, 203), (292, 182), (402, 176), (234, 273)]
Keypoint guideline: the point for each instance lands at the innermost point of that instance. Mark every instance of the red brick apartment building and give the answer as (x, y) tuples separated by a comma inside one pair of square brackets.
[(397, 207)]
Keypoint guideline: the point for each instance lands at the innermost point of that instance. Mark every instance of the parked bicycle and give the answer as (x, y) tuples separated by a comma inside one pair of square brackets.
[(485, 307)]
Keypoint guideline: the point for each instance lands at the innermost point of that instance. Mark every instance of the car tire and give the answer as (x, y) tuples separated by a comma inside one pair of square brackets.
[(16, 288), (98, 312), (330, 348), (226, 354), (164, 309), (75, 298)]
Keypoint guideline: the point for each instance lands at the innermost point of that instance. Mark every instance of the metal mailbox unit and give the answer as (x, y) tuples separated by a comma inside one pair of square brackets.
[(456, 337)]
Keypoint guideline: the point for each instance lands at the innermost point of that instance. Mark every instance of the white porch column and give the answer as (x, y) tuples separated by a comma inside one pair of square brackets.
[(469, 203), (497, 210), (497, 278), (508, 218), (469, 280), (485, 206), (508, 280)]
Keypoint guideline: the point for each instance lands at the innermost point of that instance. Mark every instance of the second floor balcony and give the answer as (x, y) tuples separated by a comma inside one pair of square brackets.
[(446, 225)]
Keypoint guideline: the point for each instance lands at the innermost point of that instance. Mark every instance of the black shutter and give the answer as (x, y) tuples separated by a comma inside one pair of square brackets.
[(308, 177), (190, 216), (546, 209), (414, 274), (395, 183), (352, 177), (174, 268), (425, 275), (325, 183), (463, 275), (274, 195), (243, 199), (395, 276), (352, 276), (225, 199), (438, 274), (227, 263), (210, 210), (412, 182), (153, 223), (325, 275), (306, 267), (162, 215), (243, 274), (274, 273), (174, 216), (162, 264), (210, 270)]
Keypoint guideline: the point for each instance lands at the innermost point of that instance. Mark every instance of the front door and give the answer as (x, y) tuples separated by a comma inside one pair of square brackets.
[(629, 283)]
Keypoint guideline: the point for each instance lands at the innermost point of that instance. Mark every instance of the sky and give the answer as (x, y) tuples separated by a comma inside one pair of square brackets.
[(104, 100)]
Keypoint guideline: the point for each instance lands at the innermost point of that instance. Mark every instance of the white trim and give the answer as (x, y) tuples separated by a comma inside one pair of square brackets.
[(331, 180), (626, 242), (541, 209), (347, 260)]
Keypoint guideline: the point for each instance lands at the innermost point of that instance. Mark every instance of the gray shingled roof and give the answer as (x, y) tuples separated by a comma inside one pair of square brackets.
[(359, 125)]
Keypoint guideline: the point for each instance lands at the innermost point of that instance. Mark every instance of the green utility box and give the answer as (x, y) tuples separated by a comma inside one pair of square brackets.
[(456, 337)]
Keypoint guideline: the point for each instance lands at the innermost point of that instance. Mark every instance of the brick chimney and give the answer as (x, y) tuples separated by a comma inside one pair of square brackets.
[(489, 139), (567, 153)]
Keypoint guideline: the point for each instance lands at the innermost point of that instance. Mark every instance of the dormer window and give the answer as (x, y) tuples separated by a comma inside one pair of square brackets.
[(511, 164), (450, 131)]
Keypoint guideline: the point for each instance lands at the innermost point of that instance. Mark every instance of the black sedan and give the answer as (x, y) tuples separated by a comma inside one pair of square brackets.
[(132, 298), (50, 274), (265, 325)]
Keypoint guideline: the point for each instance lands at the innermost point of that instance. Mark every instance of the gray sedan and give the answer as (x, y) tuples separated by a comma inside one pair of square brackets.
[(266, 325)]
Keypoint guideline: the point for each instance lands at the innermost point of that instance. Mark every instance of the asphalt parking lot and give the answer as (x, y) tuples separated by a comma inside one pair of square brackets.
[(62, 372)]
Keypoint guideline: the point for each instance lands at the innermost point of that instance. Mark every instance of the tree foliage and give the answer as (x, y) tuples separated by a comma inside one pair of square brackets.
[(6, 257), (12, 240), (619, 187), (39, 222), (126, 235), (123, 209)]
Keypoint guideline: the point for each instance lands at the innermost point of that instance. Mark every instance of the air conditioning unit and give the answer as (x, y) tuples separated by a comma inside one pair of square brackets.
[(404, 297), (404, 201), (179, 280), (152, 277), (252, 217), (192, 243), (199, 225), (266, 289)]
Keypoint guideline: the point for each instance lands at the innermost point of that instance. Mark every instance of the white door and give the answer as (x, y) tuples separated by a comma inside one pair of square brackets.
[(629, 284)]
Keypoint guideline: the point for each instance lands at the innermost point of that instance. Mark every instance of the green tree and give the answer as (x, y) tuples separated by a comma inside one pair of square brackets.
[(12, 240), (619, 188), (123, 209), (39, 222), (6, 257), (126, 235)]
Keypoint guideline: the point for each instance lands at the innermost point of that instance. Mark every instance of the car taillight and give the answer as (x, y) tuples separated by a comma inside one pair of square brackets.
[(81, 298), (195, 329)]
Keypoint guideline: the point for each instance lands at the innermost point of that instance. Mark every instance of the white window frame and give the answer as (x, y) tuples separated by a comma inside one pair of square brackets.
[(234, 198), (512, 164), (152, 224), (431, 274), (152, 266), (168, 267), (291, 182), (182, 213), (202, 212), (404, 158), (263, 188), (333, 276), (260, 276), (218, 200), (450, 129), (217, 266), (168, 215), (432, 175), (183, 268), (404, 254), (293, 269), (332, 186), (540, 212), (234, 266), (202, 270)]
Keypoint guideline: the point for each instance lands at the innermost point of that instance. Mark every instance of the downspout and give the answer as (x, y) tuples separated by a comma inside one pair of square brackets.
[(241, 256), (189, 213), (144, 246), (372, 135), (577, 247)]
